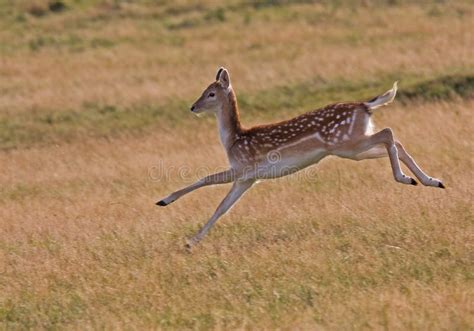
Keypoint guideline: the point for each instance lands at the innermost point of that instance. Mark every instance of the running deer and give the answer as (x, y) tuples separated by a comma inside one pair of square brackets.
[(279, 149)]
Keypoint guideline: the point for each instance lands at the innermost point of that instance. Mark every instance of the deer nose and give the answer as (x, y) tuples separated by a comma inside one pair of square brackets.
[(193, 107)]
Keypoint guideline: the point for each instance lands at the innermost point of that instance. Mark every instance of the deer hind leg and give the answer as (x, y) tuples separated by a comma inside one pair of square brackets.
[(415, 169), (217, 178), (237, 190), (380, 151), (368, 148), (373, 153)]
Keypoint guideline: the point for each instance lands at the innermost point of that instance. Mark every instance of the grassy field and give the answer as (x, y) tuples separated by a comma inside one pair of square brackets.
[(95, 128)]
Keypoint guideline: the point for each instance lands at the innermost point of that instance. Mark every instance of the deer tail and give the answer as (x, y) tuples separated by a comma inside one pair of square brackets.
[(383, 99)]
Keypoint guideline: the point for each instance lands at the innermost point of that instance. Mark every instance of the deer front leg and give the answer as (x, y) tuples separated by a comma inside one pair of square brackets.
[(217, 178), (237, 190)]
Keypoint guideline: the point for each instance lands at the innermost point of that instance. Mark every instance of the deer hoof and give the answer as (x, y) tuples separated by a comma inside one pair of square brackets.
[(189, 246), (190, 243)]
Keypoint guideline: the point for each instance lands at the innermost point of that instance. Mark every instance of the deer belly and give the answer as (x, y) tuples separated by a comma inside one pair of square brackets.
[(283, 163)]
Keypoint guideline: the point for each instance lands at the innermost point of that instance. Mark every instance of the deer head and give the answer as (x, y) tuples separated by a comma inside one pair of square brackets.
[(215, 95)]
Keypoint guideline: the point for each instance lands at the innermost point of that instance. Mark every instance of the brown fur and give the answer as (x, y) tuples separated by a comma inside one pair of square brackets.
[(261, 139)]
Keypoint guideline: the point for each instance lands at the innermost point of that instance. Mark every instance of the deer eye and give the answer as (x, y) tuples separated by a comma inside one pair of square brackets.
[(211, 94)]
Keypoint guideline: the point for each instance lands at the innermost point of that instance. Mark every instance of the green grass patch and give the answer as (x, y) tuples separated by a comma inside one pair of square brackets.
[(442, 88)]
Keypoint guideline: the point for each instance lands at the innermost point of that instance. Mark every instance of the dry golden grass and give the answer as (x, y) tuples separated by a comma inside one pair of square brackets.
[(338, 246)]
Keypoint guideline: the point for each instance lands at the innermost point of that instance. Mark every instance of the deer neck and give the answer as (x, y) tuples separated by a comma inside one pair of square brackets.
[(229, 121)]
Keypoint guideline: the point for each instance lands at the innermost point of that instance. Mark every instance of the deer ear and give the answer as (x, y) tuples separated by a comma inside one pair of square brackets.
[(219, 71), (223, 77)]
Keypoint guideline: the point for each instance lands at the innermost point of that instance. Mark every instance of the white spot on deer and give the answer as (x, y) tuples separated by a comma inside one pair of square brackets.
[(352, 122)]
